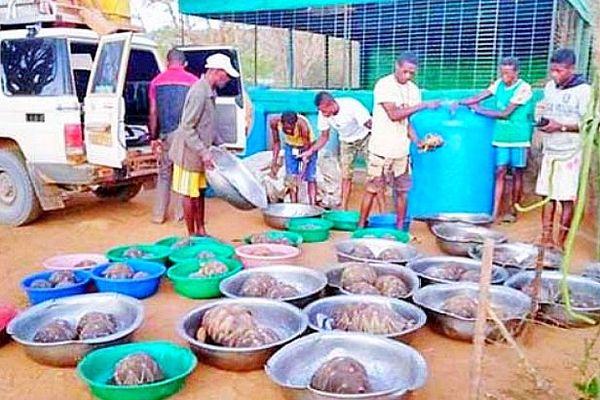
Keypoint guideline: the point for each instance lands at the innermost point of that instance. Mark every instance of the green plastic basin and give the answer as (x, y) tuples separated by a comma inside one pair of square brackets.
[(176, 362), (294, 238), (158, 254), (194, 240), (200, 288), (191, 253), (312, 229), (382, 233), (343, 220)]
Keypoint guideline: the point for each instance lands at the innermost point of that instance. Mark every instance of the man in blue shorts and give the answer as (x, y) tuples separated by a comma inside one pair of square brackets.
[(512, 134), (297, 138)]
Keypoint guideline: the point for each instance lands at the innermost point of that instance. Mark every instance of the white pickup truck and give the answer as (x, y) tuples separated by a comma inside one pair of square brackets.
[(74, 111)]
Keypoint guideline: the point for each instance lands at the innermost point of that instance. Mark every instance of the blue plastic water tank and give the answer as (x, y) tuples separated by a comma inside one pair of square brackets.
[(458, 177)]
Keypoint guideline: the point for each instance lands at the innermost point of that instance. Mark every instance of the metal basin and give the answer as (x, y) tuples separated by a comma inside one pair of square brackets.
[(420, 265), (551, 309), (278, 215), (457, 238), (286, 320), (515, 306), (310, 283), (394, 369), (128, 311), (410, 278), (469, 218), (377, 246), (519, 255), (321, 311), (231, 180), (592, 271)]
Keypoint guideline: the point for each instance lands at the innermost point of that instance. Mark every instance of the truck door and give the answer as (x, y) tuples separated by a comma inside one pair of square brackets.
[(104, 122)]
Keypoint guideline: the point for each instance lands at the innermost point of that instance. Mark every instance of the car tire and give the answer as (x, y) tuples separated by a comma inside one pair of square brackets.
[(19, 204), (122, 193)]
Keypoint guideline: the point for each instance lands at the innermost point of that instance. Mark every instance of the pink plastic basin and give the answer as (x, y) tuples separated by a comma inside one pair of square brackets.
[(251, 257), (69, 261), (7, 312)]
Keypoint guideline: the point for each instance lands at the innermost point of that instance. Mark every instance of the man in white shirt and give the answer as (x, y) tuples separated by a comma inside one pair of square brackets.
[(352, 121), (396, 98), (566, 99)]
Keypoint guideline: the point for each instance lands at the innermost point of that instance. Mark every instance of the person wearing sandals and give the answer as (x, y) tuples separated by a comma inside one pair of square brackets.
[(512, 133), (565, 102)]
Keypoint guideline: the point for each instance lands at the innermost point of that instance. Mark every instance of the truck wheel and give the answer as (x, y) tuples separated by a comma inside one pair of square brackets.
[(19, 204), (120, 192)]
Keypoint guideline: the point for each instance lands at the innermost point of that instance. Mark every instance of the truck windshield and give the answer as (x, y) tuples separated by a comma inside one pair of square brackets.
[(35, 67)]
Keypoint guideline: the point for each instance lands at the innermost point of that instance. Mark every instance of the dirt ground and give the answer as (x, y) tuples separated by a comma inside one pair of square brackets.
[(92, 225)]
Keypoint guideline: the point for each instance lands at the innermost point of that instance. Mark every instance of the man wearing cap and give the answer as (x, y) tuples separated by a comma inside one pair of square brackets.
[(166, 96), (192, 140)]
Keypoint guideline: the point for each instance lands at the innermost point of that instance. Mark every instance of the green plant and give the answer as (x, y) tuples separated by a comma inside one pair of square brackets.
[(589, 369)]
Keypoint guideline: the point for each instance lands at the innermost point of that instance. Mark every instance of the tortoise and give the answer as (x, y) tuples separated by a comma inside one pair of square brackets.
[(137, 369), (357, 272), (341, 375), (391, 286), (370, 318), (59, 330)]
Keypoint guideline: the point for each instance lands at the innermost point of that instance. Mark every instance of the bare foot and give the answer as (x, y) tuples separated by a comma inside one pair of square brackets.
[(509, 218), (547, 240), (549, 244), (158, 220), (496, 218)]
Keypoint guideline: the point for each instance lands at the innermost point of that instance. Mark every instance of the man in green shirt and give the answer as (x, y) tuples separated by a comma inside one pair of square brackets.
[(512, 133)]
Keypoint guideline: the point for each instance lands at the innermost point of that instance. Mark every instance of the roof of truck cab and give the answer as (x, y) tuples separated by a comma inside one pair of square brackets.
[(72, 33)]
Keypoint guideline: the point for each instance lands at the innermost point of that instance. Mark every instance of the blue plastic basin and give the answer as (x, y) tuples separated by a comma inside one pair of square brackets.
[(36, 295), (138, 288), (387, 221)]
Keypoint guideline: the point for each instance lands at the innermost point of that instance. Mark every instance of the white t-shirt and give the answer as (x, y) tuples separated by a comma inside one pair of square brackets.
[(521, 96), (567, 107), (389, 138), (349, 122)]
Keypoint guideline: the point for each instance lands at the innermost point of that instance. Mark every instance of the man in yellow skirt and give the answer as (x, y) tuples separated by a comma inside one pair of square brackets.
[(189, 150)]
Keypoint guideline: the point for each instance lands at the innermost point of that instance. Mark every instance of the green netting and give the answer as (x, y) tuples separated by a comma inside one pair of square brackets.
[(212, 7), (323, 43)]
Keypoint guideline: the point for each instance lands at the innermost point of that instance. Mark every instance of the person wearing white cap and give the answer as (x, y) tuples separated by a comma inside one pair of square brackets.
[(194, 136)]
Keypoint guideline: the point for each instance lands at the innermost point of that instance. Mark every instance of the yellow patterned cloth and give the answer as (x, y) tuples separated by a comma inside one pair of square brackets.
[(188, 183), (295, 139)]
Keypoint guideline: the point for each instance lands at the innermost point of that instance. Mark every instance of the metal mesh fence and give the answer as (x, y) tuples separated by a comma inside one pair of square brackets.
[(459, 42)]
